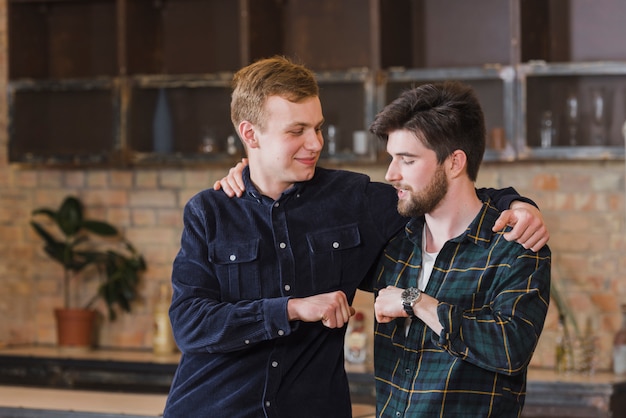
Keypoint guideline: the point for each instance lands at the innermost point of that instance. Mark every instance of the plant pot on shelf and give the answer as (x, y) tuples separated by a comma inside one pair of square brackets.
[(75, 328), (69, 240)]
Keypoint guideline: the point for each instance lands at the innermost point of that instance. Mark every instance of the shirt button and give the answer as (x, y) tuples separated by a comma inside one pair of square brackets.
[(407, 371), (281, 332), (287, 287), (276, 204), (335, 244), (247, 342), (398, 414), (282, 245), (274, 364), (232, 257), (267, 403)]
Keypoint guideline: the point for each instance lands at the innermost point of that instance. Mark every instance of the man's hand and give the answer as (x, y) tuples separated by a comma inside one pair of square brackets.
[(330, 308), (388, 305), (232, 184), (529, 230)]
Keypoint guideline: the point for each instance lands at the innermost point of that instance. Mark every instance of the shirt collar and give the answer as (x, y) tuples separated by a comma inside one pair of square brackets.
[(479, 231), (253, 193)]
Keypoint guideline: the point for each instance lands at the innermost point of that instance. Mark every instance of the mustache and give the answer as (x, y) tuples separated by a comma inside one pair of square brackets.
[(402, 186)]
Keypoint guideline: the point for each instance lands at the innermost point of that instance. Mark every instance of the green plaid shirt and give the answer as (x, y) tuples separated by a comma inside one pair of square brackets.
[(493, 298)]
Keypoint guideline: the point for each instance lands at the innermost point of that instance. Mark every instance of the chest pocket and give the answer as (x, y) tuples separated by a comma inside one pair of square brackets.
[(331, 255), (237, 269)]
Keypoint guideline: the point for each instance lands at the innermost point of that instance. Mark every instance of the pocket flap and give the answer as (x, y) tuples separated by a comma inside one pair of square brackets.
[(234, 252), (334, 239)]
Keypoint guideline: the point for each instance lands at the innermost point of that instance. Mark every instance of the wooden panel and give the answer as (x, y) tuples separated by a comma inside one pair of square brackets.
[(144, 32), (27, 41), (265, 30), (467, 33), (183, 36), (72, 125), (401, 39), (200, 36), (328, 34), (63, 40), (535, 29), (598, 30)]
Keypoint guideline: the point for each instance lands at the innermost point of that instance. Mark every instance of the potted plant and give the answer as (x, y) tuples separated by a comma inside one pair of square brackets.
[(68, 240)]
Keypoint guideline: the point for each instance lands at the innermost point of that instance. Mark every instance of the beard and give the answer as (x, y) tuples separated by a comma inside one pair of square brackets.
[(427, 200)]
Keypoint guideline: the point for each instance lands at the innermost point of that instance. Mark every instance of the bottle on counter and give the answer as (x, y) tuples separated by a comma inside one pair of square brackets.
[(163, 338), (356, 340), (619, 346), (563, 351)]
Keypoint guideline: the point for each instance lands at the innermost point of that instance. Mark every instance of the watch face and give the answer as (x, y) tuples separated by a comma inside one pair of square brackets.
[(410, 295)]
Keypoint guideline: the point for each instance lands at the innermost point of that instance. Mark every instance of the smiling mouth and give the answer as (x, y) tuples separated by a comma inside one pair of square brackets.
[(307, 161)]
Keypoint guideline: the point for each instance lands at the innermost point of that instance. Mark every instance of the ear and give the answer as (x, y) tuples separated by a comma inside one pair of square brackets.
[(247, 134), (457, 163)]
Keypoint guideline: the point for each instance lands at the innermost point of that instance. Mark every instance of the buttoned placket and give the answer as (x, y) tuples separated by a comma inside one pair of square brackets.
[(287, 268)]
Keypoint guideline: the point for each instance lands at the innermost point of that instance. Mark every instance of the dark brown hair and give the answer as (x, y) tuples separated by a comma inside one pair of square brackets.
[(444, 116)]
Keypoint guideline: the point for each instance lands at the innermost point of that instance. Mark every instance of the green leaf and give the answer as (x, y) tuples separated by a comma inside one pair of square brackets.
[(100, 228), (70, 216)]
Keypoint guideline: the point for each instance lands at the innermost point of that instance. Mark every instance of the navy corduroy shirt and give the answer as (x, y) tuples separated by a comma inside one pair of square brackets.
[(240, 261)]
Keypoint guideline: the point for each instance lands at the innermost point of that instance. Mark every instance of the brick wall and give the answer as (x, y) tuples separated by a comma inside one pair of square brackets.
[(583, 205)]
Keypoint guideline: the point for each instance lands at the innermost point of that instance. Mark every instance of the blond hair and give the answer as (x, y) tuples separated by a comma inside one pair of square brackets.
[(276, 76)]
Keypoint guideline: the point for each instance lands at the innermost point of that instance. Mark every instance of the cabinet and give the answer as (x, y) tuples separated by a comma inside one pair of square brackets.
[(576, 74), (142, 82)]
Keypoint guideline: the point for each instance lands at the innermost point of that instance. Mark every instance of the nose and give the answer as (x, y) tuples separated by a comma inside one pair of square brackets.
[(314, 141), (392, 174)]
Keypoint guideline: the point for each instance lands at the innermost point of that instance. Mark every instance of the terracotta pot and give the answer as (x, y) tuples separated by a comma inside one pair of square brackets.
[(75, 327)]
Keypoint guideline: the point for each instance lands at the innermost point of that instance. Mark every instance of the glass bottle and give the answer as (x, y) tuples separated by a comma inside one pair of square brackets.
[(562, 347), (162, 125), (332, 140), (356, 340), (599, 117), (231, 146), (572, 119), (163, 338), (547, 129), (587, 363), (619, 346)]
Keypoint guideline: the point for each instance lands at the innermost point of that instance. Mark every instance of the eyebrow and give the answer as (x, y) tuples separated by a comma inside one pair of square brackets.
[(303, 124), (404, 154)]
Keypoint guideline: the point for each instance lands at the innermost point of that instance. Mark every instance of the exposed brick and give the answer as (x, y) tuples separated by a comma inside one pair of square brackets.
[(546, 182), (153, 199), (146, 179), (121, 178), (171, 179), (144, 217), (198, 179), (75, 179), (108, 198), (97, 179)]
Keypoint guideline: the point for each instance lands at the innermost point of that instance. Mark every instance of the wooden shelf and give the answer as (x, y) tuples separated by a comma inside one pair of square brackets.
[(364, 51)]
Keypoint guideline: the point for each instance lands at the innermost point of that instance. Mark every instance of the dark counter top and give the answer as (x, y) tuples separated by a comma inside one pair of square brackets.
[(141, 372), (106, 370), (136, 371)]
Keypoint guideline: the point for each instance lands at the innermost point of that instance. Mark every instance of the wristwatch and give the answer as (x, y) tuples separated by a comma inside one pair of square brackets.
[(410, 297)]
